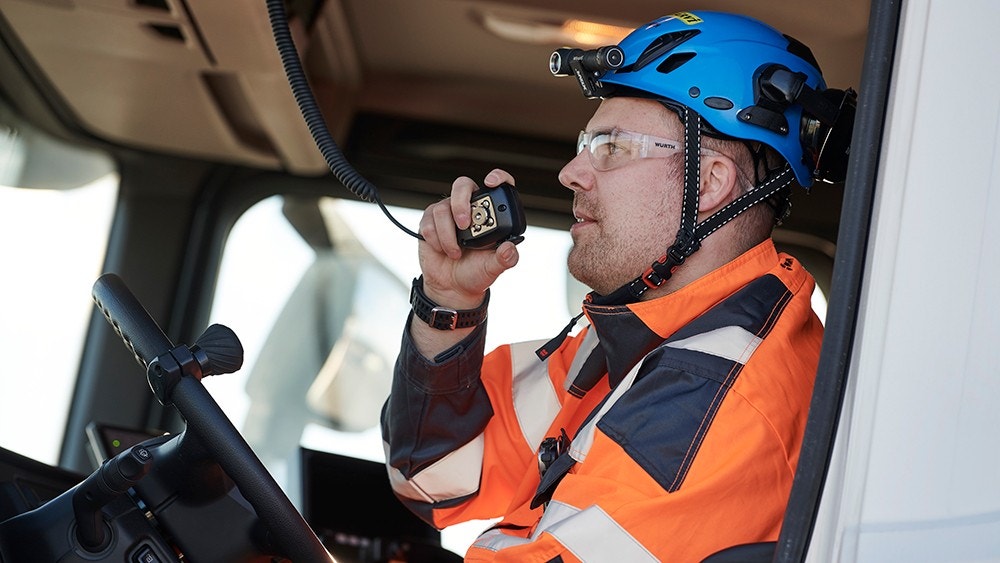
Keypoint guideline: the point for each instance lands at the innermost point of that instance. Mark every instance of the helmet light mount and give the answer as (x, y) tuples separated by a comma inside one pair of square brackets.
[(831, 142), (587, 66), (827, 118)]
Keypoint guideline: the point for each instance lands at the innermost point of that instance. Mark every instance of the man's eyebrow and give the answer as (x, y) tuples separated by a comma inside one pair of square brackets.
[(602, 129)]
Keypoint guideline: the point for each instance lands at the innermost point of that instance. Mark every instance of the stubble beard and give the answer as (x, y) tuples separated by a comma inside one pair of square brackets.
[(612, 255), (605, 261), (586, 265)]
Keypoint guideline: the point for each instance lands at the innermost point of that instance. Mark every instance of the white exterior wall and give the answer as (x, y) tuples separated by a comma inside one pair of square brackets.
[(916, 470)]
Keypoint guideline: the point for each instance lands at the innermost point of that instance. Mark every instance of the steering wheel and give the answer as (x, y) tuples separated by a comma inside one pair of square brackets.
[(175, 374)]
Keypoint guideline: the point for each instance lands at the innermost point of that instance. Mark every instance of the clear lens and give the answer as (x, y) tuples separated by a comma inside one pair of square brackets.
[(614, 148)]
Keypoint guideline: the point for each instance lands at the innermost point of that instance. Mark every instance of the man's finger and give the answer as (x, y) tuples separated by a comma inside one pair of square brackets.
[(497, 177), (444, 228), (461, 195)]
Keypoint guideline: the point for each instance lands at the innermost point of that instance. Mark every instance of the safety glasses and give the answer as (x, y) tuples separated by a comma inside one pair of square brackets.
[(610, 149), (613, 148)]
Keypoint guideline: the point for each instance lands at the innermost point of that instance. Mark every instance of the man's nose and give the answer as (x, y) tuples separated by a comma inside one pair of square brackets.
[(577, 174)]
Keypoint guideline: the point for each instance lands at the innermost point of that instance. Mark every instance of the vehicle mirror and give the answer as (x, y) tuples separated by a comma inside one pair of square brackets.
[(32, 159)]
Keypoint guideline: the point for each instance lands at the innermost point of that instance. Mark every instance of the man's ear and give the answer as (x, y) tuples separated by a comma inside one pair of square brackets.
[(720, 183)]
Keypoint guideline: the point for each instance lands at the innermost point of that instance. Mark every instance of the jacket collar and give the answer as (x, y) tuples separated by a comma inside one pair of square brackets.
[(628, 332)]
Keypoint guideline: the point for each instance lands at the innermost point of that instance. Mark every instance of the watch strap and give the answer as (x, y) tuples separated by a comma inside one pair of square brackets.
[(443, 318)]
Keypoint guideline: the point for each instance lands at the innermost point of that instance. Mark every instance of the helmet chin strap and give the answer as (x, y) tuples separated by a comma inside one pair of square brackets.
[(691, 233)]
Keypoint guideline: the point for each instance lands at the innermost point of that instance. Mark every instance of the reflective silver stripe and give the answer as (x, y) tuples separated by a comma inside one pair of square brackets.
[(590, 534), (729, 342), (590, 341), (536, 402), (495, 540), (555, 512), (453, 476), (584, 438)]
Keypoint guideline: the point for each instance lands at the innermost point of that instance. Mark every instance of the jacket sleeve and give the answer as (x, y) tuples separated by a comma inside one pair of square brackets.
[(450, 425)]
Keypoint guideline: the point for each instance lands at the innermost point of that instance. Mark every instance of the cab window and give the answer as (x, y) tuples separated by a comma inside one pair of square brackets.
[(56, 205)]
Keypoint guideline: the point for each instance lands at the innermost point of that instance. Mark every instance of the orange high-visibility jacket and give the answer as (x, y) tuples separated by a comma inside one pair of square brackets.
[(685, 416)]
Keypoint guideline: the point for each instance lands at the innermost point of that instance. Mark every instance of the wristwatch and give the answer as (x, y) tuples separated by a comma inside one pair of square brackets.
[(443, 318)]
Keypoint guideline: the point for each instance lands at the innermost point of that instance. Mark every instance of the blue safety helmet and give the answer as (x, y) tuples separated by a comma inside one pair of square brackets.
[(731, 77), (718, 65)]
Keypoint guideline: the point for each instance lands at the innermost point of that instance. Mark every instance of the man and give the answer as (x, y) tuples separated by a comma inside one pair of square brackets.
[(670, 427)]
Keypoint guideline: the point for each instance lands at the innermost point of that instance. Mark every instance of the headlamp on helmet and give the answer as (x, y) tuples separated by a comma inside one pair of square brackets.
[(746, 80)]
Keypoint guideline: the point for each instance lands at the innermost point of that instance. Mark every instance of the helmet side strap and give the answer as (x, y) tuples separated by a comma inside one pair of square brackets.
[(687, 241)]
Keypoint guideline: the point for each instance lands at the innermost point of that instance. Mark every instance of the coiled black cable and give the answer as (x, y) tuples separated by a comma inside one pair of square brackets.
[(332, 154)]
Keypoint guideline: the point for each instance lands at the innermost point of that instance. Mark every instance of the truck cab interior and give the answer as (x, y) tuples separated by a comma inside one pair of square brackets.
[(159, 141)]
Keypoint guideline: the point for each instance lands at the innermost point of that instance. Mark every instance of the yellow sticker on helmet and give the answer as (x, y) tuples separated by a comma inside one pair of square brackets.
[(687, 17)]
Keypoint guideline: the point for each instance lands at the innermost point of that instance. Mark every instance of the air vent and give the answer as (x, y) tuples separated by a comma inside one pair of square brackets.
[(661, 46), (153, 4), (168, 31), (672, 62), (801, 51)]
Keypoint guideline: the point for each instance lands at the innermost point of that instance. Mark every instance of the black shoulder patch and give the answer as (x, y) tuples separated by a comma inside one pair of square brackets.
[(663, 418)]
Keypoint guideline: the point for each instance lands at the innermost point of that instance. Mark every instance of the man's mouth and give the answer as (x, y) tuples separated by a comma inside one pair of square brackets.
[(583, 221)]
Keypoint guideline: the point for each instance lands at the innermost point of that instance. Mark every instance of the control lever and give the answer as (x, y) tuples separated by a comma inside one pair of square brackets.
[(116, 476)]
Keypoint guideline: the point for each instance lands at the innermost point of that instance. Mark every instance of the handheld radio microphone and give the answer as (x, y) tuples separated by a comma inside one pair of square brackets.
[(497, 216)]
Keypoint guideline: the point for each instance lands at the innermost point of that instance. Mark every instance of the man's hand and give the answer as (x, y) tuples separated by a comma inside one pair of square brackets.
[(456, 277)]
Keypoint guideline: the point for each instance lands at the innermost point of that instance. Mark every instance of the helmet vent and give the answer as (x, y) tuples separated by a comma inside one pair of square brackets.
[(801, 51), (661, 46), (674, 61)]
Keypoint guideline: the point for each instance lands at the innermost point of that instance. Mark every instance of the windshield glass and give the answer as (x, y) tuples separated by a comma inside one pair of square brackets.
[(54, 223)]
